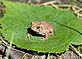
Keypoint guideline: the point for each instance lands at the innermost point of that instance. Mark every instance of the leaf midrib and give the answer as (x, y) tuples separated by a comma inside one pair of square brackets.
[(69, 27)]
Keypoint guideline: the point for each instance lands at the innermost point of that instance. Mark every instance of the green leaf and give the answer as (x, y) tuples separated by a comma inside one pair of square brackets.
[(18, 18)]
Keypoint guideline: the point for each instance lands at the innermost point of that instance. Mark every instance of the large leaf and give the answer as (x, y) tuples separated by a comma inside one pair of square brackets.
[(18, 17)]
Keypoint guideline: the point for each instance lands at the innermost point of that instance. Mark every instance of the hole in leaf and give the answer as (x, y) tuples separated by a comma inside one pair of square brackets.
[(33, 33)]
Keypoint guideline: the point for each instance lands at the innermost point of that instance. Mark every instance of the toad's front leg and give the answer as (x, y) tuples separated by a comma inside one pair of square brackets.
[(46, 36)]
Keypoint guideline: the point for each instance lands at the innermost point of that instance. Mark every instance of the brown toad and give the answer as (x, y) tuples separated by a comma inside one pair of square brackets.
[(42, 28)]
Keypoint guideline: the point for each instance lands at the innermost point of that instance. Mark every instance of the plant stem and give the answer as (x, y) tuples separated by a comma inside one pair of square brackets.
[(76, 51), (9, 48)]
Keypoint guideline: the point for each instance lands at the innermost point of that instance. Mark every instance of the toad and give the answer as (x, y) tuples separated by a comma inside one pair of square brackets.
[(42, 28)]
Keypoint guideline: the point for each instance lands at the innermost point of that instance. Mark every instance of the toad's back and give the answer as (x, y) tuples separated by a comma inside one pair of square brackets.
[(42, 27)]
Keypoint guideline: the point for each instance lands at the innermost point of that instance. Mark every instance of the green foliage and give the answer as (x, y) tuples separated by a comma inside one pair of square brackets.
[(19, 16)]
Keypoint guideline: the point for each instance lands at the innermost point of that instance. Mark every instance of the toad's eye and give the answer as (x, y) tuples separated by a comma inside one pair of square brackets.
[(38, 27), (50, 32)]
